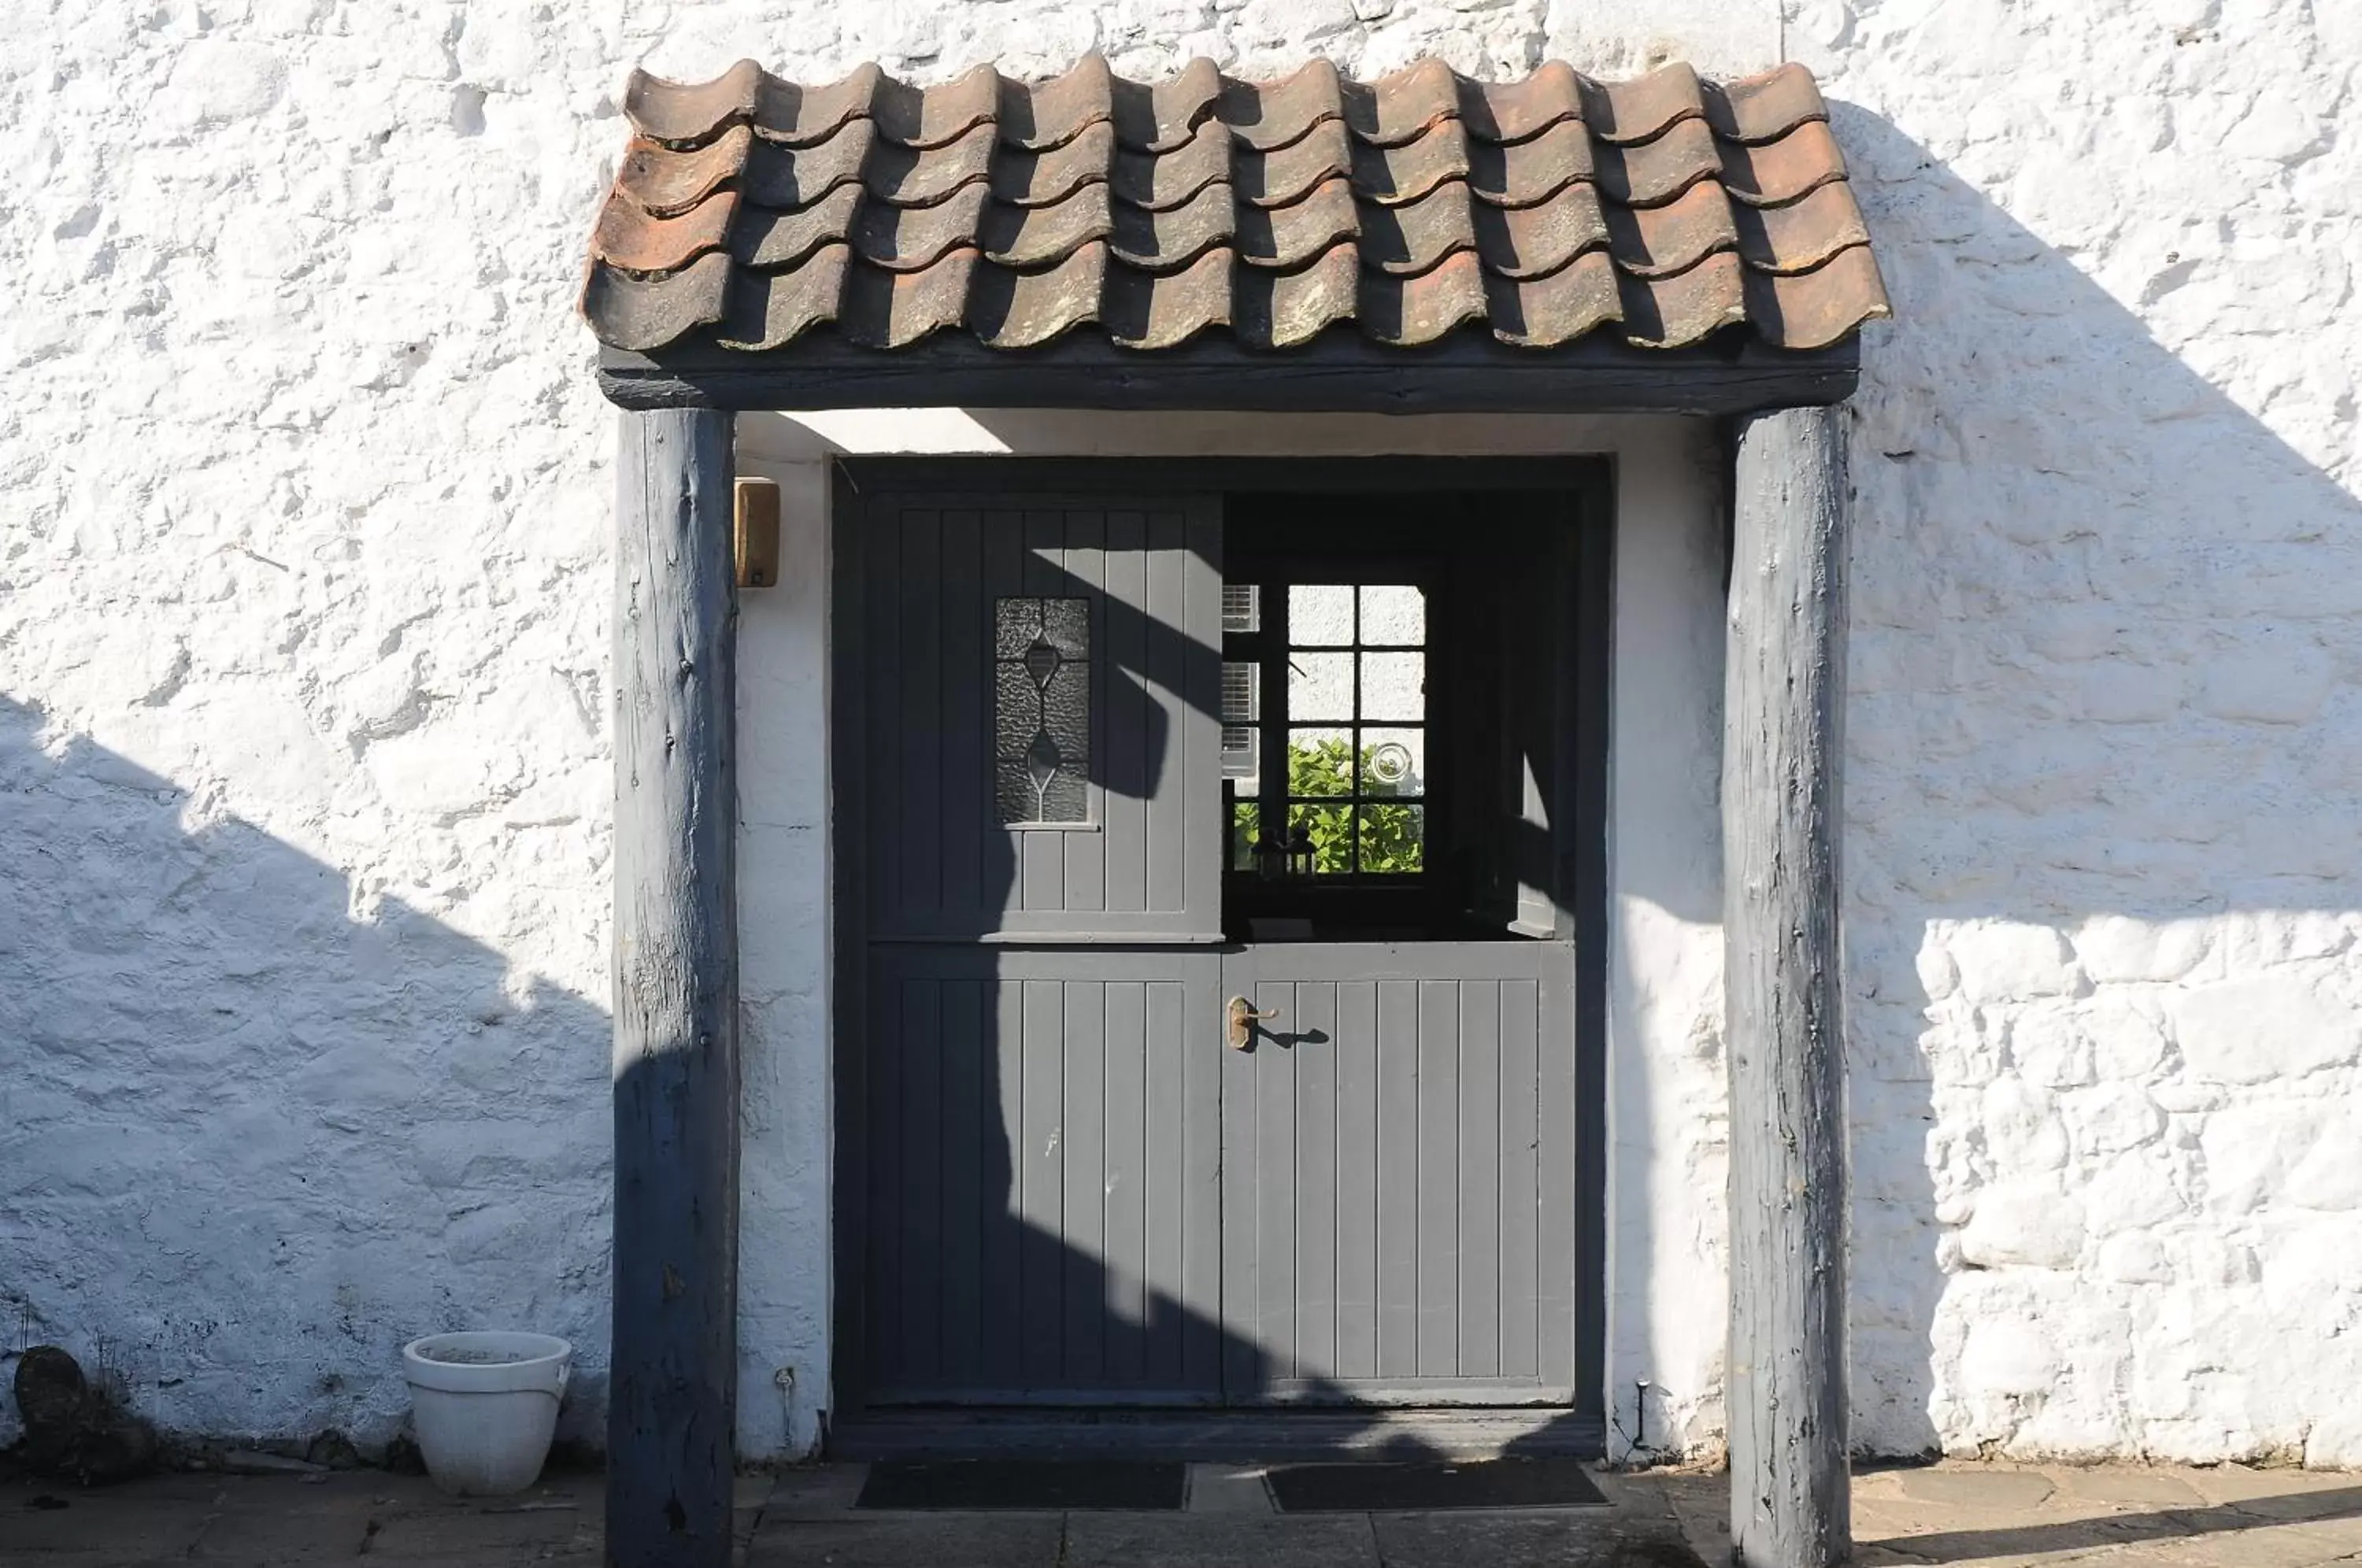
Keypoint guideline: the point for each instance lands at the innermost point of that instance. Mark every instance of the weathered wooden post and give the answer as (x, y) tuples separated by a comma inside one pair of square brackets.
[(1783, 700), (672, 1401)]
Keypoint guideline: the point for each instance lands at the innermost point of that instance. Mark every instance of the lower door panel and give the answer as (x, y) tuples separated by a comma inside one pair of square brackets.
[(1399, 1174), (1074, 1194), (1043, 1169)]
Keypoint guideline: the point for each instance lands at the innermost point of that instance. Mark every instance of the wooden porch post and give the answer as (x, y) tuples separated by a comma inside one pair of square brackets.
[(672, 1401), (1783, 700)]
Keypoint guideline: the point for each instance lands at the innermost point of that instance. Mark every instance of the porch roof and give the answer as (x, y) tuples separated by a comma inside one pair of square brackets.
[(796, 242)]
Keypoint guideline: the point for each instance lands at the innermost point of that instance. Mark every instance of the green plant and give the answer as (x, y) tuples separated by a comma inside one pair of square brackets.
[(1392, 842)]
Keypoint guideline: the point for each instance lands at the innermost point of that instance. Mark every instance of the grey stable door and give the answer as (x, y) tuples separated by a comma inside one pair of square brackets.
[(1059, 1184)]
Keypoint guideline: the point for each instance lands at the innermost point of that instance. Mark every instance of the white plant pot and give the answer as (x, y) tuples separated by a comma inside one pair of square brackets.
[(486, 1405)]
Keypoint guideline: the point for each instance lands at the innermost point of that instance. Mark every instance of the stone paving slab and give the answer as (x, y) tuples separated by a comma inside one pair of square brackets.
[(1526, 1541), (1217, 1540), (911, 1541)]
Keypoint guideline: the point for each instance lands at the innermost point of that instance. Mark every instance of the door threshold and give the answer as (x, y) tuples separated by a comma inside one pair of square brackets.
[(1236, 1437)]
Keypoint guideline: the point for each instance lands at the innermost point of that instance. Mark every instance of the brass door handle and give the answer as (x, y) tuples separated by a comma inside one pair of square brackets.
[(1243, 1019)]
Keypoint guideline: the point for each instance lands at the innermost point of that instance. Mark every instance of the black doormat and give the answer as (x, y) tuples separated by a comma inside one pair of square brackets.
[(1024, 1484), (1401, 1488)]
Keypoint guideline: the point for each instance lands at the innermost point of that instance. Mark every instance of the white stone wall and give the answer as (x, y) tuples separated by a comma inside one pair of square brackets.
[(303, 780), (2104, 729)]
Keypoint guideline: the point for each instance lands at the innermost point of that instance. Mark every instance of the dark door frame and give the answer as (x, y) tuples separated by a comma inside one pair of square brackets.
[(1587, 486)]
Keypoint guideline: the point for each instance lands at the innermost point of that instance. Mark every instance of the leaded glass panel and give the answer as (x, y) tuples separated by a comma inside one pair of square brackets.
[(1042, 709)]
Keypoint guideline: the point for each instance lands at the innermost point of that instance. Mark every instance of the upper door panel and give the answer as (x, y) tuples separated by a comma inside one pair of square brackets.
[(1040, 697)]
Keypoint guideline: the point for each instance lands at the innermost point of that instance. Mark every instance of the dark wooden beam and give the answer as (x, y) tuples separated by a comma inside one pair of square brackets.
[(1341, 372), (673, 1375), (1784, 699)]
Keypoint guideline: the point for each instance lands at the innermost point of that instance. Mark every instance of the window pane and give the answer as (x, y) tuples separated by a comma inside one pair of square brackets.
[(1066, 626), (1394, 685), (1246, 826), (1330, 830), (1042, 710), (1393, 762), (1320, 686), (1066, 711), (1393, 839), (1321, 615), (1319, 761), (1015, 624), (1392, 612)]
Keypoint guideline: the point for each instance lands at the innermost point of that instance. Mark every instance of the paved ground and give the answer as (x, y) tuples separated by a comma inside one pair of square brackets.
[(2118, 1518)]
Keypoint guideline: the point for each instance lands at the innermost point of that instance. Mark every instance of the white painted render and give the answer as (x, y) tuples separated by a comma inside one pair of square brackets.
[(303, 766)]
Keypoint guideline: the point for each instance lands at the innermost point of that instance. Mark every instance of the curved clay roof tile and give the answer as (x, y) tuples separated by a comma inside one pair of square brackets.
[(1288, 237), (1168, 239), (1042, 237), (1559, 307), (768, 241), (1142, 309), (789, 177), (1686, 307), (1650, 173), (1045, 178), (1815, 309), (1657, 242), (630, 236), (1527, 172), (901, 176), (1518, 111), (1533, 242), (1759, 108), (1773, 173), (1269, 115), (1624, 113), (1056, 112), (1009, 309), (1167, 179), (1413, 237), (666, 180)]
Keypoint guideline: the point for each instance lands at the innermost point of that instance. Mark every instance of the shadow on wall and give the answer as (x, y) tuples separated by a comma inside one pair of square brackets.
[(272, 1139), (2103, 872)]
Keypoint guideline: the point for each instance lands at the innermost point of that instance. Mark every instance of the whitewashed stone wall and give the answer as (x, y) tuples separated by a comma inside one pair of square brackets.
[(303, 780), (2105, 872)]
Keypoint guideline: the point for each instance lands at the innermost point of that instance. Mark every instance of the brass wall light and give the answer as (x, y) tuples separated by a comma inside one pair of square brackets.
[(757, 513)]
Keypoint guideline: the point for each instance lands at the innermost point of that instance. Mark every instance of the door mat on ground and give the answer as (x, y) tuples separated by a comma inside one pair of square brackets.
[(1398, 1488), (1024, 1484)]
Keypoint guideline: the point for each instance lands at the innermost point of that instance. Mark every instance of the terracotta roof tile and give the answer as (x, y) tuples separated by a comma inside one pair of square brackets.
[(1657, 242), (663, 181), (1622, 113), (1762, 108), (749, 211)]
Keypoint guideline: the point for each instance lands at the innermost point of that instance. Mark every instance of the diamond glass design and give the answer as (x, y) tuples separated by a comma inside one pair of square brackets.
[(1042, 709)]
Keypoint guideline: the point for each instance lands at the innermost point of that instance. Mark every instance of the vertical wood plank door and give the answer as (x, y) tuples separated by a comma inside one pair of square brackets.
[(1029, 1210), (1399, 1174), (1044, 1150)]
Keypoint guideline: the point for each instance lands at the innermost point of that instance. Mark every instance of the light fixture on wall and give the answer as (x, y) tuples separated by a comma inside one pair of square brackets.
[(757, 532)]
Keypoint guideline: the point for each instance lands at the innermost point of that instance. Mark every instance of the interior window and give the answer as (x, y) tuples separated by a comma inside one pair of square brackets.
[(1333, 688), (1396, 728)]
